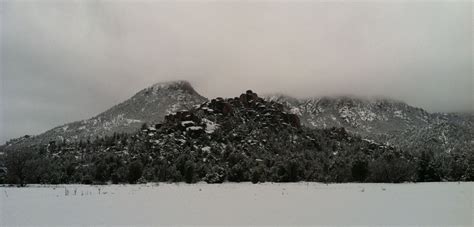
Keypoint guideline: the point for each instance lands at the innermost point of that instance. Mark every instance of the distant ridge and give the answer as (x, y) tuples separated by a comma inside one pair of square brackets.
[(384, 120)]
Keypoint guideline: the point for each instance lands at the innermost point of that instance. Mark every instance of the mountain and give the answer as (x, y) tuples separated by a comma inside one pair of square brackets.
[(238, 139), (385, 121), (249, 138), (149, 105)]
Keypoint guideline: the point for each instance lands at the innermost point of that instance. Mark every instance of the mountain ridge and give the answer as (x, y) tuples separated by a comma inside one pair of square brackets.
[(381, 119), (250, 138), (384, 120)]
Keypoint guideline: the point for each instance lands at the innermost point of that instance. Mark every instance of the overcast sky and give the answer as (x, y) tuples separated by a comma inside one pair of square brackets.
[(63, 61)]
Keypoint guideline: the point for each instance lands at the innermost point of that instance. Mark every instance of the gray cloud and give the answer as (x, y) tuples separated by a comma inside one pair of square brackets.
[(63, 61)]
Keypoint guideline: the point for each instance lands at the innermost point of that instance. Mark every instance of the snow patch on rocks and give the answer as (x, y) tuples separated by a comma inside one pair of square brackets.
[(210, 126)]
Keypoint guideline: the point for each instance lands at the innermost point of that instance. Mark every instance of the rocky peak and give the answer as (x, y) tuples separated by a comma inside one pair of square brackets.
[(170, 86)]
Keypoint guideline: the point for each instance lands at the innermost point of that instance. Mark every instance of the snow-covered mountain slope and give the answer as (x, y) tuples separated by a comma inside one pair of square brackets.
[(150, 105), (381, 120), (384, 120), (446, 132)]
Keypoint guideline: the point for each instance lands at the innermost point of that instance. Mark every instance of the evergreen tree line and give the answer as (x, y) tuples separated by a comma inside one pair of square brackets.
[(250, 152)]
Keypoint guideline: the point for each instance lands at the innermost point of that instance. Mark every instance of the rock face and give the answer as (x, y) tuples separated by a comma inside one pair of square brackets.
[(150, 105), (384, 120), (248, 107)]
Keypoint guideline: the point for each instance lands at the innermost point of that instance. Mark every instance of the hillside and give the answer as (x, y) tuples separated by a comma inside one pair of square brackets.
[(150, 105), (385, 121)]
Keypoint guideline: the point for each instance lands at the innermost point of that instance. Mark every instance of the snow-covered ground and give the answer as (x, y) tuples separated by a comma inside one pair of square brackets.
[(242, 204)]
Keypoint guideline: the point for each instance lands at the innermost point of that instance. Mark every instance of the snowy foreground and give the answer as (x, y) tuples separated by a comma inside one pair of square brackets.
[(241, 204)]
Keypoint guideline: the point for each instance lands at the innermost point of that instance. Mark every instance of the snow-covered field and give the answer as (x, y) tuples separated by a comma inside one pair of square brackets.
[(241, 204)]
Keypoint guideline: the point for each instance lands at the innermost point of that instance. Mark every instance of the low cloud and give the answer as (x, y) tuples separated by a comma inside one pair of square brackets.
[(63, 61)]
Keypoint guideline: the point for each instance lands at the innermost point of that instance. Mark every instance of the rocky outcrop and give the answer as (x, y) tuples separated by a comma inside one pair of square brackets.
[(248, 107)]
